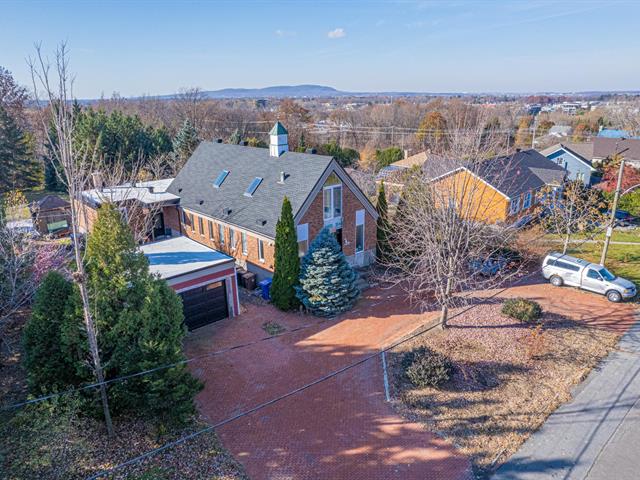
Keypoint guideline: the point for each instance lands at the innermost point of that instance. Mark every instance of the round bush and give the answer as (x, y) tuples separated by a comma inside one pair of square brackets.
[(522, 309), (426, 368)]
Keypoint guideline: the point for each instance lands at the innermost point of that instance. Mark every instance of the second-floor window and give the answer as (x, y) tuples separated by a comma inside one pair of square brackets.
[(211, 230), (221, 233), (201, 225), (193, 225), (332, 201), (260, 250), (527, 200), (232, 238)]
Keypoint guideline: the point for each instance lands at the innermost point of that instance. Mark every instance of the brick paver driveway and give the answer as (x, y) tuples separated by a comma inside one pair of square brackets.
[(341, 428)]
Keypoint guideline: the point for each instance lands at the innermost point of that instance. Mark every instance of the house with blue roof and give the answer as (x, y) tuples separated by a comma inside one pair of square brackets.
[(614, 133)]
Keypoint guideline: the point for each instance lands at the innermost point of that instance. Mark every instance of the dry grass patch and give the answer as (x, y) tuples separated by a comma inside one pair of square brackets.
[(507, 378), (48, 442)]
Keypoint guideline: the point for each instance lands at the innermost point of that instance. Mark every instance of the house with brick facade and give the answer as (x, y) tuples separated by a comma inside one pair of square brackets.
[(220, 213), (231, 197)]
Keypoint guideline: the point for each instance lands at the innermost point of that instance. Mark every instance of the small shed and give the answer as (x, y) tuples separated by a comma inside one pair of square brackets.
[(51, 215), (203, 277)]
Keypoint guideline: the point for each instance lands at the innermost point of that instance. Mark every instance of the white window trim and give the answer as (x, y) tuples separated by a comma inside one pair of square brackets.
[(360, 214), (333, 207), (261, 250), (514, 206), (527, 200), (302, 234), (232, 238)]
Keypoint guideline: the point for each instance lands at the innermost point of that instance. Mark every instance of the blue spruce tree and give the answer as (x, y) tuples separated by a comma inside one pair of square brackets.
[(327, 281)]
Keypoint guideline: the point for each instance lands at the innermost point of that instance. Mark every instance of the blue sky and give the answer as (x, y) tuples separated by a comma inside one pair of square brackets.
[(157, 47)]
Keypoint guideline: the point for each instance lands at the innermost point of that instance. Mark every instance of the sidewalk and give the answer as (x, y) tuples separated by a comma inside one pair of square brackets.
[(596, 435)]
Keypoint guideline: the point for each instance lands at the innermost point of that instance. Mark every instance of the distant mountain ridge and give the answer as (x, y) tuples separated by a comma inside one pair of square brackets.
[(323, 91), (302, 91)]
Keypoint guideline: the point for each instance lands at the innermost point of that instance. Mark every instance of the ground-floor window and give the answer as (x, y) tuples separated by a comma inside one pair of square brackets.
[(221, 233), (515, 205), (359, 231), (302, 232), (243, 239)]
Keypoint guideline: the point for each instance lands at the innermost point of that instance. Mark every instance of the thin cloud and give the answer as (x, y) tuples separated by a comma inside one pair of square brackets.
[(337, 33), (285, 33)]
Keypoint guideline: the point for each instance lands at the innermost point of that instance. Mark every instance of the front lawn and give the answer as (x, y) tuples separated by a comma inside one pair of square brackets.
[(507, 377), (622, 260), (618, 236)]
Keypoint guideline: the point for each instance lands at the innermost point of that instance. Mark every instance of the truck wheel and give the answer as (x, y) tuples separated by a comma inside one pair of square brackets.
[(613, 296), (556, 281)]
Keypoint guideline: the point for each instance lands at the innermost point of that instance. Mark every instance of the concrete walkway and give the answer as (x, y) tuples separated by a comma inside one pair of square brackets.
[(596, 436)]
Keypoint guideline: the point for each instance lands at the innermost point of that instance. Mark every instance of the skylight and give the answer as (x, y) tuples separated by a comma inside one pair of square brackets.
[(252, 188), (218, 181)]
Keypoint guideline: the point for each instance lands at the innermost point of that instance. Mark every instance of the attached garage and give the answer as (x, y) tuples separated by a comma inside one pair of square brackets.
[(204, 278)]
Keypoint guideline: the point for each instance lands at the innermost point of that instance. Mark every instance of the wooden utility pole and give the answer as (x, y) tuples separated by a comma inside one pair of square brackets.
[(612, 219)]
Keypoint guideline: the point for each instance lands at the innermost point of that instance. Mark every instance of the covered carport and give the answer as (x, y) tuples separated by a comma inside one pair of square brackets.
[(203, 277)]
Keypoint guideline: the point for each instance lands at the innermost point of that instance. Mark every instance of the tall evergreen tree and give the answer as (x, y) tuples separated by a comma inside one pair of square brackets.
[(140, 321), (49, 367), (17, 163), (287, 262), (185, 141), (382, 225), (327, 281)]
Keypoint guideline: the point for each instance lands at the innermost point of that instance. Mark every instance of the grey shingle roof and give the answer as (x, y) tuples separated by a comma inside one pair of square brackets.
[(583, 151), (520, 172), (512, 175), (51, 202), (604, 147), (194, 183)]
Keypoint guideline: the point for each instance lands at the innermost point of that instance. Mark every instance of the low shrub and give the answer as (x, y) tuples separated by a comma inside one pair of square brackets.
[(273, 328), (522, 309), (426, 368)]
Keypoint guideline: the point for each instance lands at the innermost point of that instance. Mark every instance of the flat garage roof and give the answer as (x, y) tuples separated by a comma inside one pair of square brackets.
[(180, 255)]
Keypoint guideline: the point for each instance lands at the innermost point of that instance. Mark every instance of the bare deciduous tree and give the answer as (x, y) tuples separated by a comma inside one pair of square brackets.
[(54, 95), (575, 208), (139, 201), (443, 240)]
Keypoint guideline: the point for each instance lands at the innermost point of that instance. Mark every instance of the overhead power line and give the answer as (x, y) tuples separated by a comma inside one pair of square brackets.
[(302, 388)]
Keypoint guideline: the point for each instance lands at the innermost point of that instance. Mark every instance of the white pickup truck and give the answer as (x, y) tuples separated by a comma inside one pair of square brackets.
[(562, 269)]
